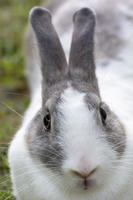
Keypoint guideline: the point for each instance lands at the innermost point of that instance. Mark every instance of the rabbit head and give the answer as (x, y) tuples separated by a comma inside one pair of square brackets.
[(74, 134)]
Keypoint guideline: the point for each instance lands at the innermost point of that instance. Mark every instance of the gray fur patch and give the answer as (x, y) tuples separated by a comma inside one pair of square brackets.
[(114, 131), (44, 146)]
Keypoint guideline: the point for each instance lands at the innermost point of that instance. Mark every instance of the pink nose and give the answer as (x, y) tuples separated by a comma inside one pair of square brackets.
[(83, 174)]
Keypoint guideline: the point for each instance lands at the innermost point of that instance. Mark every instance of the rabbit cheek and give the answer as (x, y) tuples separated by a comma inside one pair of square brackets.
[(115, 133), (45, 147)]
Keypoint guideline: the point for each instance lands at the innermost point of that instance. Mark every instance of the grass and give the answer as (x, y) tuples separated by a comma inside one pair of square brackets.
[(14, 96)]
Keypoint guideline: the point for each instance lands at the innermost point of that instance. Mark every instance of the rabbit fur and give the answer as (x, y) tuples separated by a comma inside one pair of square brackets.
[(44, 163)]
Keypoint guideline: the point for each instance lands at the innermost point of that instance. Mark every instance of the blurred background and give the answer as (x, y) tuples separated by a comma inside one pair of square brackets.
[(14, 96)]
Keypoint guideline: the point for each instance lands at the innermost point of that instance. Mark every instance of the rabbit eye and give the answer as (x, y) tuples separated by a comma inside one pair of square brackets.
[(103, 115), (47, 122)]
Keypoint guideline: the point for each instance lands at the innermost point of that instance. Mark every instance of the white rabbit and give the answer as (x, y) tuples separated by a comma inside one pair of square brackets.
[(76, 139)]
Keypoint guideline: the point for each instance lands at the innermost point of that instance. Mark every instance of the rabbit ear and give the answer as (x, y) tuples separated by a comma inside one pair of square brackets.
[(54, 65), (81, 61)]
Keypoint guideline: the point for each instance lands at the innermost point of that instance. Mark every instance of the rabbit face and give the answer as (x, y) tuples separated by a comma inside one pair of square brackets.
[(75, 135)]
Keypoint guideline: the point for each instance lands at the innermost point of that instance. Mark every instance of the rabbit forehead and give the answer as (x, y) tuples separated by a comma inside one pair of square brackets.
[(79, 120), (77, 98)]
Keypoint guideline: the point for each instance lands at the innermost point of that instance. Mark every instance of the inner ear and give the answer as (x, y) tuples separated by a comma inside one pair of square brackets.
[(53, 60)]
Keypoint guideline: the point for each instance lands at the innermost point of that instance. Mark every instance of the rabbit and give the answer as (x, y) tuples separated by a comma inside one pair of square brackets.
[(76, 138)]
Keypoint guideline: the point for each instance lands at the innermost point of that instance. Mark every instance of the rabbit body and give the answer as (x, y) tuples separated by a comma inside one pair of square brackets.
[(114, 70)]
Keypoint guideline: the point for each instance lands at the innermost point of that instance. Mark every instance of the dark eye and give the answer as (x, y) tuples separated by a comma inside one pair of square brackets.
[(47, 121), (103, 115)]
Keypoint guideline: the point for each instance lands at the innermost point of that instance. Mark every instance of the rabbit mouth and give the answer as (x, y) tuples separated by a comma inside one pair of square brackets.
[(86, 185)]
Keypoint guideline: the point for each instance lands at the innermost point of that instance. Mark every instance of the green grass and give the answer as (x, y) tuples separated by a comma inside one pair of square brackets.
[(14, 96)]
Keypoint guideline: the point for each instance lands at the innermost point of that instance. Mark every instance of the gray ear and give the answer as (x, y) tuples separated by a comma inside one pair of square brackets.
[(81, 61), (54, 65)]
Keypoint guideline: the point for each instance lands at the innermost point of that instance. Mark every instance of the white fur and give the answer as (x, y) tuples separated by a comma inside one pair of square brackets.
[(79, 129), (116, 89)]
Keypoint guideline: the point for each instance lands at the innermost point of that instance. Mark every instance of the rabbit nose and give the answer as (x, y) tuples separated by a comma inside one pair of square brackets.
[(83, 174)]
